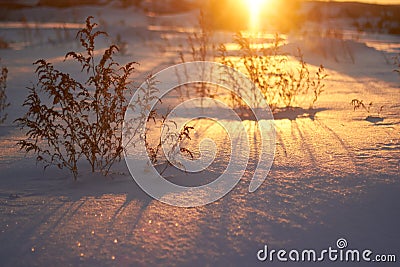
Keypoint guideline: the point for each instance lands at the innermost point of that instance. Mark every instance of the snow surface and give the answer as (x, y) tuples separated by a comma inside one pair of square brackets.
[(335, 173)]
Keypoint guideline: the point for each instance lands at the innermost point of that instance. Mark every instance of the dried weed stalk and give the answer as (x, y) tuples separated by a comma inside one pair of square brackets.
[(80, 119), (3, 96)]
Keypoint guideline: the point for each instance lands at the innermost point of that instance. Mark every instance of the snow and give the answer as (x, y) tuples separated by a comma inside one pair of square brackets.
[(335, 172)]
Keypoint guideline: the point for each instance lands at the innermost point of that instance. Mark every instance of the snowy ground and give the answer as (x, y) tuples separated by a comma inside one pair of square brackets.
[(335, 174)]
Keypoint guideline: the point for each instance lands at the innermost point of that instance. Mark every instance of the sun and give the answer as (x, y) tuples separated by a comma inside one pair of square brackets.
[(255, 4), (255, 7)]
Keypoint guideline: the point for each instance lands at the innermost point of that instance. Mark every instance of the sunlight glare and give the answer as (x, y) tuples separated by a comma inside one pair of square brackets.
[(255, 7)]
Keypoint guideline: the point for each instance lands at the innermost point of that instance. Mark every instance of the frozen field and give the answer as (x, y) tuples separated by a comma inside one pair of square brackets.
[(335, 173)]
